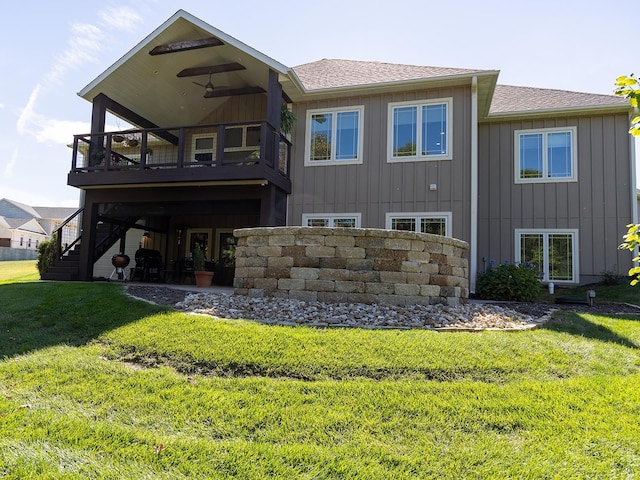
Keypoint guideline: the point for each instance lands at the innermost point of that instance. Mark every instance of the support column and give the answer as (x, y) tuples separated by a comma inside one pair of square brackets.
[(273, 207), (88, 243)]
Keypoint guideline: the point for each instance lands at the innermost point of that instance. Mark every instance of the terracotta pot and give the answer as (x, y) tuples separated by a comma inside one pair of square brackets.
[(203, 279)]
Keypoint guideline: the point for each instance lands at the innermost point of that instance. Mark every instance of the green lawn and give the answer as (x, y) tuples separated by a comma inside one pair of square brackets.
[(18, 271), (96, 385)]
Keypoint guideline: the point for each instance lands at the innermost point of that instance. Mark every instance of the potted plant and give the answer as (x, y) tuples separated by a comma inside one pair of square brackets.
[(203, 278), (287, 120)]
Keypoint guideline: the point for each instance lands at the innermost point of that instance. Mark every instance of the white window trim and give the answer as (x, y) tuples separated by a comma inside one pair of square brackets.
[(331, 216), (244, 146), (307, 144), (420, 158), (417, 216), (574, 155), (196, 136), (575, 271)]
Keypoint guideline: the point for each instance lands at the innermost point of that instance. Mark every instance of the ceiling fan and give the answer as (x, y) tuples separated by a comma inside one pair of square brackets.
[(208, 88)]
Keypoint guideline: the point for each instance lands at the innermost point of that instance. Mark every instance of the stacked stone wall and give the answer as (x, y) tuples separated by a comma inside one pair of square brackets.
[(362, 265)]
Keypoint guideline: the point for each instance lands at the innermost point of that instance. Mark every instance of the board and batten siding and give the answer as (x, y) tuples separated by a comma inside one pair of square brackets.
[(598, 205), (377, 187), (240, 108)]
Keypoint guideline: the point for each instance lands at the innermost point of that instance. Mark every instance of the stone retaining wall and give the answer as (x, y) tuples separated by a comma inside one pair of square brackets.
[(360, 265)]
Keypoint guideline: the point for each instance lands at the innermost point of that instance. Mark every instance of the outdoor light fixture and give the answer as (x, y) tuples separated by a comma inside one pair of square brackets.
[(145, 238)]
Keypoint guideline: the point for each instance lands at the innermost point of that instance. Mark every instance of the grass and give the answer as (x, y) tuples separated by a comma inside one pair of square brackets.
[(18, 271), (622, 292), (96, 385)]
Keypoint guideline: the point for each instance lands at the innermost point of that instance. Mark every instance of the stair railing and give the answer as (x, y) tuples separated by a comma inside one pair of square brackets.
[(60, 251)]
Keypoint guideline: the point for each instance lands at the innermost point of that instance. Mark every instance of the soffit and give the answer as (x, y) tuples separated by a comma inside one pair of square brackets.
[(148, 84)]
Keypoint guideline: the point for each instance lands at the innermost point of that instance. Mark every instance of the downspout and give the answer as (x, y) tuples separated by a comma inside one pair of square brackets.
[(473, 238), (634, 190)]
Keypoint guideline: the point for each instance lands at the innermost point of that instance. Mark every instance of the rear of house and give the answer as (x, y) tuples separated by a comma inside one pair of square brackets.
[(521, 174)]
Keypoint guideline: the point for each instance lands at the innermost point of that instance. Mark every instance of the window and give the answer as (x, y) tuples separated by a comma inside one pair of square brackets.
[(246, 136), (203, 147), (554, 252), (348, 220), (547, 155), (420, 130), (438, 223), (242, 142), (334, 136)]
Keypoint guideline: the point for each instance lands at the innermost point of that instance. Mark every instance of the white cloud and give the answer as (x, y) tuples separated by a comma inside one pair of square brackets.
[(8, 169), (85, 43), (51, 130), (28, 112), (121, 18)]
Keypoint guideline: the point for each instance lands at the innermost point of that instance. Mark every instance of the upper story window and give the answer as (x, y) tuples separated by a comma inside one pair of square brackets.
[(244, 138), (334, 136), (203, 147), (438, 223), (241, 143), (348, 220), (546, 155), (420, 130)]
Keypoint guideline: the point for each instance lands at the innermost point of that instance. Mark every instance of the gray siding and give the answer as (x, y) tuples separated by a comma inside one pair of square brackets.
[(376, 187), (599, 204), (238, 109)]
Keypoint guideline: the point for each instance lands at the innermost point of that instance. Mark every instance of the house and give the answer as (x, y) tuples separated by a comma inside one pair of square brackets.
[(23, 228), (520, 173)]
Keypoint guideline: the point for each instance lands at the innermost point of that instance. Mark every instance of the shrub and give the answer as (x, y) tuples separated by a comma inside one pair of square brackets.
[(610, 277), (46, 254), (509, 281), (198, 258)]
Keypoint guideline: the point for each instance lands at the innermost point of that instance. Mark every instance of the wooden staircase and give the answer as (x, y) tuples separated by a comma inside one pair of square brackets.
[(66, 267)]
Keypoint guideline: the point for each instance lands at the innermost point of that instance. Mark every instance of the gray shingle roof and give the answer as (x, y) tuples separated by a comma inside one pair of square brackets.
[(57, 213), (13, 209), (511, 99), (332, 73)]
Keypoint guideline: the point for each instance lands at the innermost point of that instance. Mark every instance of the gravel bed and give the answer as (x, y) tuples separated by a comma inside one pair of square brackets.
[(472, 316)]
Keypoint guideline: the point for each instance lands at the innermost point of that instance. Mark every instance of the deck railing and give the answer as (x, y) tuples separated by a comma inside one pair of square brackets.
[(217, 146)]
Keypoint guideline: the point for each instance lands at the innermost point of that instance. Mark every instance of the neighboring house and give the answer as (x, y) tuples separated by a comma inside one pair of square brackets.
[(20, 233), (522, 174), (25, 227)]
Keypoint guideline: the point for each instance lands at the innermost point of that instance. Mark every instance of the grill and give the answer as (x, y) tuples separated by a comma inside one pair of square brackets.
[(149, 265), (119, 262)]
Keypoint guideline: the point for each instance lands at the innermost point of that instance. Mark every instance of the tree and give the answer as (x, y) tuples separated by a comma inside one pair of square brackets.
[(628, 87)]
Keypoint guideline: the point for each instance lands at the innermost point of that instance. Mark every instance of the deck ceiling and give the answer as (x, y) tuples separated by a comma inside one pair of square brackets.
[(149, 85)]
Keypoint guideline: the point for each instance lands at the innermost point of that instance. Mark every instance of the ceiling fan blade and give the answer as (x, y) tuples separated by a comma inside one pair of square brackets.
[(200, 85)]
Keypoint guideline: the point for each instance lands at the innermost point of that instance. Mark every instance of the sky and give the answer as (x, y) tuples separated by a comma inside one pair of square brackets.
[(49, 55)]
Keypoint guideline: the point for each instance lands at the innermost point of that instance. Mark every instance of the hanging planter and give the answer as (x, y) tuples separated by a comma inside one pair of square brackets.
[(131, 142), (287, 120), (118, 138)]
